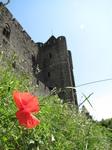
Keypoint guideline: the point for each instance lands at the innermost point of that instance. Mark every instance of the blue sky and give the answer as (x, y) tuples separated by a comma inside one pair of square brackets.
[(87, 26)]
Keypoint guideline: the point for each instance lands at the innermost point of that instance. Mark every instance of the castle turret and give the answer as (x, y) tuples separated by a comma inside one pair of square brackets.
[(55, 67)]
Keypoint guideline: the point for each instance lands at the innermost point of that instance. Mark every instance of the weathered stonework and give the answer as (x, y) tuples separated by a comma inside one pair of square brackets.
[(17, 40), (51, 61)]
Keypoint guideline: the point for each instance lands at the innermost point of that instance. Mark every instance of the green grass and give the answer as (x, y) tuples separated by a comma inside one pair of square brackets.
[(70, 129)]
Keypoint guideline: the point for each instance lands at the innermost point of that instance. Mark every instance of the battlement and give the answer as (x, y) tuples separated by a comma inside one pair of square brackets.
[(8, 17), (61, 38), (39, 44), (1, 5), (17, 24), (53, 40), (5, 11)]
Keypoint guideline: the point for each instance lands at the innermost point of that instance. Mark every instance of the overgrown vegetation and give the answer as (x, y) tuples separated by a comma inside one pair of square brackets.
[(61, 126), (107, 123), (107, 126)]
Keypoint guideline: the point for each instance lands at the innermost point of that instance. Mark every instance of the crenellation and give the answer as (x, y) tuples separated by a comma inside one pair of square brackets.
[(26, 36), (17, 24), (40, 44), (33, 43), (61, 38), (7, 13), (1, 5)]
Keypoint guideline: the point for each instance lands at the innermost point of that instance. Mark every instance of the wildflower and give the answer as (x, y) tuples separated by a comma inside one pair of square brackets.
[(61, 106), (52, 138), (27, 104)]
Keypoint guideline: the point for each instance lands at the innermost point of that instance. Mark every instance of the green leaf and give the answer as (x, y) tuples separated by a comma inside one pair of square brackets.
[(86, 99), (4, 139)]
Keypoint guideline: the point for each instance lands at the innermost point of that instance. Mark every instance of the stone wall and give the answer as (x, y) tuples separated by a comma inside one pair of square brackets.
[(14, 39)]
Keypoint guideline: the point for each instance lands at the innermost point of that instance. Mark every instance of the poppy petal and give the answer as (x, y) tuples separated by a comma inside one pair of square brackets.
[(27, 119), (29, 102), (17, 99)]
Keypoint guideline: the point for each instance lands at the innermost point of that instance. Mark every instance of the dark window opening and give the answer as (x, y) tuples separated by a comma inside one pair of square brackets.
[(33, 59), (6, 30), (50, 55), (48, 74), (37, 82)]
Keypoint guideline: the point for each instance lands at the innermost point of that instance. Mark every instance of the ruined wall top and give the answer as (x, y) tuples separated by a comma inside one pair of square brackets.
[(8, 16)]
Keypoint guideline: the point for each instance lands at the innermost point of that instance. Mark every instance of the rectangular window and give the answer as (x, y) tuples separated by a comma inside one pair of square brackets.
[(6, 30), (6, 33), (48, 74), (50, 55)]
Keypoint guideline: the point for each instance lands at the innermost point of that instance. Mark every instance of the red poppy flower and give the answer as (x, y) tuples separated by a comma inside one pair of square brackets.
[(27, 104)]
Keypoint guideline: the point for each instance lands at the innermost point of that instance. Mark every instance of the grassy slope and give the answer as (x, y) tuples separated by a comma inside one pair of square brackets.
[(71, 130)]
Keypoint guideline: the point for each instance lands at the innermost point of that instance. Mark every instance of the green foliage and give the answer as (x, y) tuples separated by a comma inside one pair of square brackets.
[(107, 123), (107, 126), (61, 126)]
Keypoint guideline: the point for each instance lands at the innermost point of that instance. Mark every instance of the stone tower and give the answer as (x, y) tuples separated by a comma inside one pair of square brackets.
[(55, 63)]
